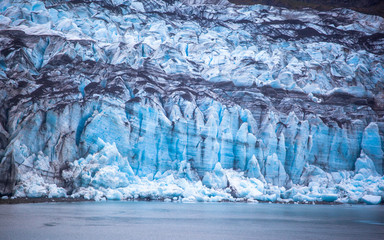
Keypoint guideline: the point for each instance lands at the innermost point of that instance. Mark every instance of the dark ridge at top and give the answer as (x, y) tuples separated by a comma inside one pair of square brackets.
[(373, 7)]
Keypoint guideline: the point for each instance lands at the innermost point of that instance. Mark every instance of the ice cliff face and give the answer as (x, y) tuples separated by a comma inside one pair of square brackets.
[(193, 100)]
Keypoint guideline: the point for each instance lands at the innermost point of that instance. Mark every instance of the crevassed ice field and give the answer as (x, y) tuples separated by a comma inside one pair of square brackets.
[(190, 101)]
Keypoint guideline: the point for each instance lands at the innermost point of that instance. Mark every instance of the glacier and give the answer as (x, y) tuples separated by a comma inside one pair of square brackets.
[(190, 100)]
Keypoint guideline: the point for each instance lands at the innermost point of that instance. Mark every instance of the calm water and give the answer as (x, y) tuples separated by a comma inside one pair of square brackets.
[(158, 220)]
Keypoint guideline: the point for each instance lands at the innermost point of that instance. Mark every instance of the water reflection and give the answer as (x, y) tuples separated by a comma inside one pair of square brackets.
[(158, 220)]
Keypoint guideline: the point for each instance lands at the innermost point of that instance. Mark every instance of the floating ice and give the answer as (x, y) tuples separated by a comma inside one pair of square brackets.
[(371, 200)]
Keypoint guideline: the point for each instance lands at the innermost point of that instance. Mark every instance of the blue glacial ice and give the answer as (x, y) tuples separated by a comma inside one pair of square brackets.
[(190, 101)]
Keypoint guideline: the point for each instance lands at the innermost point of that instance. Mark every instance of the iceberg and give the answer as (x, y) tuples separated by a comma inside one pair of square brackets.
[(371, 200)]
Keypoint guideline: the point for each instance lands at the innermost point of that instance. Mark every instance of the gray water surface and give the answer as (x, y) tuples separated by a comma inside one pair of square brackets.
[(159, 220)]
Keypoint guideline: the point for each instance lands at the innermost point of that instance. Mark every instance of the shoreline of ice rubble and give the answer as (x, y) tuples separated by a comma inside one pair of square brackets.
[(106, 175)]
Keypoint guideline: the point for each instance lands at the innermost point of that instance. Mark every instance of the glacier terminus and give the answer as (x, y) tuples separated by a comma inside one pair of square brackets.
[(191, 100)]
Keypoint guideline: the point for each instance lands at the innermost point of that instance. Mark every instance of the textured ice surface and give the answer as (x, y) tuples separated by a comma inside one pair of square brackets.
[(190, 101), (372, 200)]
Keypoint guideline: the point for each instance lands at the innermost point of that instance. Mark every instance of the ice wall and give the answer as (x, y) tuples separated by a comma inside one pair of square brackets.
[(195, 101)]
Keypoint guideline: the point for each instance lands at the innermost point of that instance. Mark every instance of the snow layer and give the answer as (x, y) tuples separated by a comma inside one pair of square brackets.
[(190, 101)]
